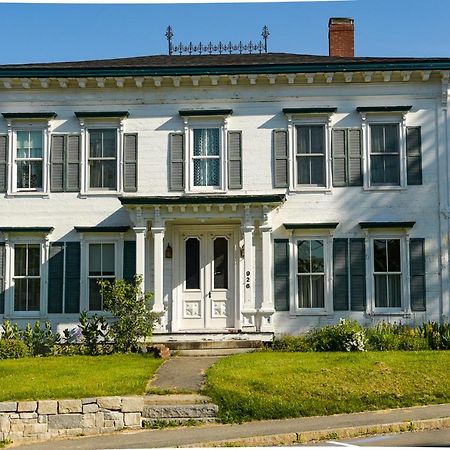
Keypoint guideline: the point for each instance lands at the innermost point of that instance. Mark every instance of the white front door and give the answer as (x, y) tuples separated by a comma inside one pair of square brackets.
[(206, 271)]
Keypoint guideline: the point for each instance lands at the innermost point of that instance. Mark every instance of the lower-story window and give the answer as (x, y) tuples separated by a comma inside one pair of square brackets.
[(27, 277), (310, 274), (101, 267), (387, 273)]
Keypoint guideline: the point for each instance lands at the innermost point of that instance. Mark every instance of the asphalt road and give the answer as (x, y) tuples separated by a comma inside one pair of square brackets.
[(435, 438)]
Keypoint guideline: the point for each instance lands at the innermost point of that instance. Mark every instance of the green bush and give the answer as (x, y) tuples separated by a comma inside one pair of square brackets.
[(387, 336), (437, 335), (292, 344), (40, 341), (95, 332), (13, 349)]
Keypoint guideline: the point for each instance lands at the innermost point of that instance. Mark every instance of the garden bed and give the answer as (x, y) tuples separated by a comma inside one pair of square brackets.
[(75, 376), (271, 385)]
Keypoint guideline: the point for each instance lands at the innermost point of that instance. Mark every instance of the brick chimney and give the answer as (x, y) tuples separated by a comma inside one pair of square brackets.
[(341, 37)]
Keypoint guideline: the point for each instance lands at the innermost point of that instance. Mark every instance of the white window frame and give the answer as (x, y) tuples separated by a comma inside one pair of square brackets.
[(405, 307), (15, 125), (327, 255), (86, 125), (192, 123), (98, 238), (369, 119), (320, 119)]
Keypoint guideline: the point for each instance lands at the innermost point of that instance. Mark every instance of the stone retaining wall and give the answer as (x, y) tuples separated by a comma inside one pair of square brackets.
[(46, 419)]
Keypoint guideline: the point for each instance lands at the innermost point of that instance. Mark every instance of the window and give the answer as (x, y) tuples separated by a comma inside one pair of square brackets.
[(103, 159), (384, 155), (310, 274), (311, 155), (101, 267), (27, 277), (206, 159), (29, 160), (387, 273)]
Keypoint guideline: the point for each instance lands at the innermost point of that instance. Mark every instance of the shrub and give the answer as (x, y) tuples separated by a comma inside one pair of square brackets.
[(13, 349), (40, 341), (438, 336), (95, 333), (387, 336), (10, 331), (292, 344), (130, 307)]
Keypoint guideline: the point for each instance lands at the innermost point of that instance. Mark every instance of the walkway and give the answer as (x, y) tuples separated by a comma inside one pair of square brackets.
[(182, 373), (210, 433)]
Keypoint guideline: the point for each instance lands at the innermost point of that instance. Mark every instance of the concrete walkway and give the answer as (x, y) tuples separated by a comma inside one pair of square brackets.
[(213, 433), (182, 373)]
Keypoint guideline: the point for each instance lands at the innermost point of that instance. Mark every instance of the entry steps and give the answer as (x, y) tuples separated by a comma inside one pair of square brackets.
[(178, 409), (212, 348)]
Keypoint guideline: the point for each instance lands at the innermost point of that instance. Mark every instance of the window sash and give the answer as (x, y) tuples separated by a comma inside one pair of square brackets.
[(94, 276), (102, 161)]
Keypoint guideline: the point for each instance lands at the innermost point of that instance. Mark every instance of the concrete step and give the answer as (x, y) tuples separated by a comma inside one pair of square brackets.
[(175, 399), (194, 411), (213, 344), (215, 351), (163, 423)]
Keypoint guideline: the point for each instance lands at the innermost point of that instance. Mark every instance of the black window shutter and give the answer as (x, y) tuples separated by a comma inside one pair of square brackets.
[(357, 275), (234, 160), (280, 158), (55, 277), (354, 155), (57, 153), (176, 151), (340, 274), (417, 274), (414, 155), (130, 162), (339, 158), (2, 277), (129, 260), (281, 274), (73, 162), (3, 163), (73, 277)]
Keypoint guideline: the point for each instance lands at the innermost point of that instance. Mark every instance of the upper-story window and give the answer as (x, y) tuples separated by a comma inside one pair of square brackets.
[(311, 155), (384, 155), (102, 159), (206, 157), (29, 160)]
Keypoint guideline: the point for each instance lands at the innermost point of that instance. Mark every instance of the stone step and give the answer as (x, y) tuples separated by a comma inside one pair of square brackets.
[(161, 423), (200, 345), (175, 399), (186, 411), (215, 351)]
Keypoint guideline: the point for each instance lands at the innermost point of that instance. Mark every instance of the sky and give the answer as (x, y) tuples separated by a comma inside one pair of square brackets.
[(62, 32)]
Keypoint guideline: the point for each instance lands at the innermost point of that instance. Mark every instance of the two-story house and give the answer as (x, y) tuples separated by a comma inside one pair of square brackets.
[(254, 193)]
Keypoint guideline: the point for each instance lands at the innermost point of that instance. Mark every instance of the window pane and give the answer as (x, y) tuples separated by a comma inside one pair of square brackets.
[(377, 169), (109, 143), (304, 170), (95, 143), (317, 139), (317, 256), (29, 174), (391, 138), (35, 144), (34, 294), (220, 263), (102, 174), (206, 142), (95, 174), (318, 170), (95, 265), (109, 174), (20, 294), (108, 260), (394, 263), (303, 140), (392, 169), (20, 260), (192, 263), (304, 291), (95, 299), (394, 283), (22, 144), (381, 300), (303, 257), (377, 139), (379, 255), (206, 172), (34, 260), (317, 291)]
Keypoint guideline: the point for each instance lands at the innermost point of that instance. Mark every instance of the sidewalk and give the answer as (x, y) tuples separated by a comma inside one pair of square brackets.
[(268, 430)]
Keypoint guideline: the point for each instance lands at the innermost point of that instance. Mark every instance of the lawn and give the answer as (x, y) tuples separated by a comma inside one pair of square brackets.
[(75, 376), (269, 385)]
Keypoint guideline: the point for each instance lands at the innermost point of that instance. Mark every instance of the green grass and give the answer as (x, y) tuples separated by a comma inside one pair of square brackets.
[(75, 376), (269, 385)]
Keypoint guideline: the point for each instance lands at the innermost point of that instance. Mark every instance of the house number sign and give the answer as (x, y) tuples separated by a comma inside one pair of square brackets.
[(247, 279)]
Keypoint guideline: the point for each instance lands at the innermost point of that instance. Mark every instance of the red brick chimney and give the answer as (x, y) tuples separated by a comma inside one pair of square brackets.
[(341, 37)]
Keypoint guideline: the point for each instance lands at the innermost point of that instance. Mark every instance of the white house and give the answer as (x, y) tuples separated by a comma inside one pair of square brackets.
[(255, 193)]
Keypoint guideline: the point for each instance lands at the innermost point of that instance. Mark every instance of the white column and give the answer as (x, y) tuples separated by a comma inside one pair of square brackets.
[(248, 310), (140, 252), (158, 256), (267, 307)]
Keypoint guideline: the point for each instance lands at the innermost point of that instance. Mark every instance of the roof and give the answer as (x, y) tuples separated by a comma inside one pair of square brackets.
[(219, 64)]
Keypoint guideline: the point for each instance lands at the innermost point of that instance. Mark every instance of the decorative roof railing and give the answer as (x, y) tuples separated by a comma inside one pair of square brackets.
[(219, 48)]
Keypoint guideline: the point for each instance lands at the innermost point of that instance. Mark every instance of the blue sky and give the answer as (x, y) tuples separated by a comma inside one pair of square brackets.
[(57, 32)]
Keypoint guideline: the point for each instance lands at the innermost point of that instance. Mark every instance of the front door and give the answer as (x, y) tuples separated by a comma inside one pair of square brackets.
[(205, 291)]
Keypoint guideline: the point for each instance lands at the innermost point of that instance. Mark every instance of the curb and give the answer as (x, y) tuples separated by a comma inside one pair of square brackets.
[(329, 434)]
